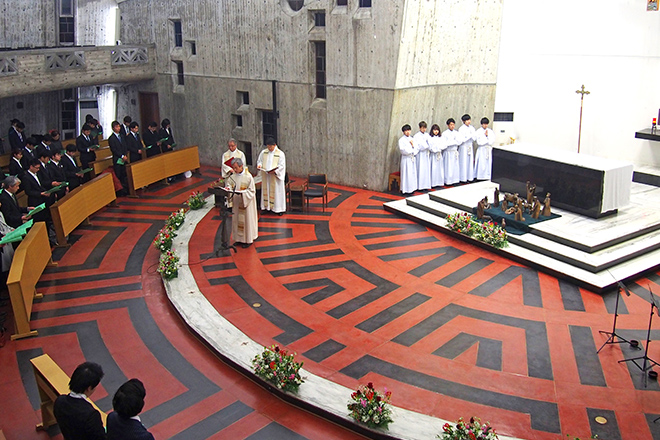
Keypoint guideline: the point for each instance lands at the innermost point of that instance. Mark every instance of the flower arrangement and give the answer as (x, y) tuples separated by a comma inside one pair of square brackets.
[(168, 266), (163, 240), (278, 367), (196, 200), (472, 430), (370, 407), (175, 220), (487, 232)]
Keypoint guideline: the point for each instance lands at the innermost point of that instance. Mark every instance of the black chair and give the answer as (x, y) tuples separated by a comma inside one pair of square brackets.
[(318, 187)]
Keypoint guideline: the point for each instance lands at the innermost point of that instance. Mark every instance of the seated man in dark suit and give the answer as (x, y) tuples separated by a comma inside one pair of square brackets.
[(72, 171), (151, 139), (119, 152), (84, 144), (134, 143), (124, 422), (44, 146), (14, 214), (77, 418)]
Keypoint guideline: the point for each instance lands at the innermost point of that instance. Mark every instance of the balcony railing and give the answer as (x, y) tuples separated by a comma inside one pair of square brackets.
[(38, 70)]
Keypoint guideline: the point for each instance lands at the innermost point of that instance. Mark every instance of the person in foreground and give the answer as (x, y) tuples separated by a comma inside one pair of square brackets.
[(244, 223), (124, 422), (77, 418), (272, 165)]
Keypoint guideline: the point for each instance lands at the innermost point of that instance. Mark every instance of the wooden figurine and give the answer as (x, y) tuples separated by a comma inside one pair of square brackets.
[(480, 209), (530, 192), (496, 198), (536, 210), (546, 206), (519, 214)]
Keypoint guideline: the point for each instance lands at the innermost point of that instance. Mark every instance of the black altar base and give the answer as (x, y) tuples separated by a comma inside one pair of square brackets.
[(572, 187)]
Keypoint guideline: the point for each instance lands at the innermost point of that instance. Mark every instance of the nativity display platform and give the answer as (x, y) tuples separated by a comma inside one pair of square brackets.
[(592, 252)]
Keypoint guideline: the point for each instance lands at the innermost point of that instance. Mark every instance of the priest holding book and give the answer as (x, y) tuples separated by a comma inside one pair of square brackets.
[(272, 165), (230, 154)]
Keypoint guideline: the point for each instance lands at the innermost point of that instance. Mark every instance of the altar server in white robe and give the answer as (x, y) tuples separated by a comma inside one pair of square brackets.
[(466, 137), (483, 158), (421, 139), (408, 163), (450, 156), (272, 164), (436, 148), (231, 153), (244, 222)]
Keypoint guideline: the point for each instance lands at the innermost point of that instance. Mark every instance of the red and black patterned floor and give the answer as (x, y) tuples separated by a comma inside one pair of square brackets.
[(361, 295)]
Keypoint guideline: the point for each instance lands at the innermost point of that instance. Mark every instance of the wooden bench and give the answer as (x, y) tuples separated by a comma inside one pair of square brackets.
[(160, 167), (76, 207), (30, 259), (4, 162), (52, 382)]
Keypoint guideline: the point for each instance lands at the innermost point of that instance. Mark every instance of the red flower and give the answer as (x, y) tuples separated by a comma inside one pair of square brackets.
[(370, 385), (272, 365)]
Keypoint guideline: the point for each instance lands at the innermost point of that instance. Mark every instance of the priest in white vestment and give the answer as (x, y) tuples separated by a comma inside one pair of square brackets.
[(466, 137), (483, 158), (231, 153), (450, 156), (421, 139), (436, 147), (408, 163), (272, 165), (244, 221)]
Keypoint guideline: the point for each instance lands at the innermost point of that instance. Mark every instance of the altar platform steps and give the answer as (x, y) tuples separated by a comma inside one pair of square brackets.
[(594, 253), (648, 175)]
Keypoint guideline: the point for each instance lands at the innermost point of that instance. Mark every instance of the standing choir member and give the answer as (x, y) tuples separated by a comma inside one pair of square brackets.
[(466, 137), (133, 142), (151, 139), (119, 154), (483, 158), (272, 164), (450, 156), (244, 222), (436, 147), (408, 163), (231, 153), (421, 139)]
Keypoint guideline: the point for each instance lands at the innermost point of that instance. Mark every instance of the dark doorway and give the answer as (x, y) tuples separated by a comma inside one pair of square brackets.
[(149, 109), (268, 124)]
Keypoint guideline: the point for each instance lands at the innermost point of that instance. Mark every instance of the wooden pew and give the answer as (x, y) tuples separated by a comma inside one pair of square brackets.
[(76, 207), (52, 382), (4, 162), (160, 167), (30, 259)]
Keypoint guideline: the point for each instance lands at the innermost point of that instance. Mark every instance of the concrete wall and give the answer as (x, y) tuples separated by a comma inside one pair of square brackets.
[(550, 50), (39, 112), (26, 24)]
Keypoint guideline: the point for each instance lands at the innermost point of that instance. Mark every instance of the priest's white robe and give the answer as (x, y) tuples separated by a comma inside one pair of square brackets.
[(408, 164), (466, 164), (483, 158), (244, 221), (450, 157), (273, 193), (436, 147), (226, 169), (423, 160)]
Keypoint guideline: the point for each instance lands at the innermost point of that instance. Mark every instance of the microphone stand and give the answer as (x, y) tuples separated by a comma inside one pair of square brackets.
[(648, 363), (612, 336)]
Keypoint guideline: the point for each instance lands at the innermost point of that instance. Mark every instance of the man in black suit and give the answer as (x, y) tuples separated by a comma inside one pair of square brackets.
[(73, 173), (14, 214), (56, 170), (123, 422), (15, 166), (16, 137), (126, 126), (151, 139), (134, 143), (28, 152), (166, 133), (44, 146), (77, 418), (84, 144), (119, 151), (36, 191)]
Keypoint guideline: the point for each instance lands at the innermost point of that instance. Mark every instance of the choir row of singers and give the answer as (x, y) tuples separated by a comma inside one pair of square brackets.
[(431, 159)]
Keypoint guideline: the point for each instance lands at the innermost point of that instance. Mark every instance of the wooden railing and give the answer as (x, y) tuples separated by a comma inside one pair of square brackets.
[(76, 207), (30, 260), (160, 167), (52, 382)]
